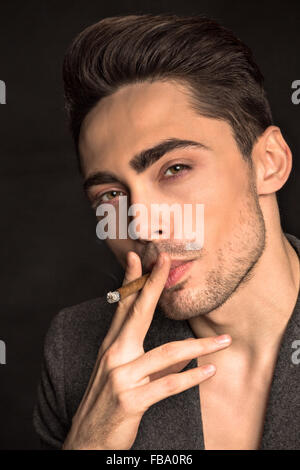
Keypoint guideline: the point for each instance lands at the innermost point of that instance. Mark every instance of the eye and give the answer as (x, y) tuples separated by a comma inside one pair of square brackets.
[(175, 169), (107, 196)]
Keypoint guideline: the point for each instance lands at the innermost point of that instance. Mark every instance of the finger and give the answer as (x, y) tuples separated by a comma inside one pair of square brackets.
[(172, 353), (174, 368), (139, 318), (133, 271), (152, 392)]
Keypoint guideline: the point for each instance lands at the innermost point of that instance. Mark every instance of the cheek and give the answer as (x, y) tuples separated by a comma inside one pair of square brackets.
[(224, 200)]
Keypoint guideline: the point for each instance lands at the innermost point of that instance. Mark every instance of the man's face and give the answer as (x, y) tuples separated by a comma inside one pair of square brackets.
[(140, 116)]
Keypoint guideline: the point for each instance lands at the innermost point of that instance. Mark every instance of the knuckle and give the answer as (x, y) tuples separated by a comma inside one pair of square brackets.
[(116, 379), (109, 359), (125, 401), (200, 348), (150, 281), (169, 349), (170, 383)]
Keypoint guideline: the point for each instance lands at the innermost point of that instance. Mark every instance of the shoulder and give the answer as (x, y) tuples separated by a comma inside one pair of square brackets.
[(85, 314), (80, 328), (295, 318), (70, 349), (72, 344)]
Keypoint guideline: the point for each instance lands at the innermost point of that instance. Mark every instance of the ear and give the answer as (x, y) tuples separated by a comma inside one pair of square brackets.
[(272, 160)]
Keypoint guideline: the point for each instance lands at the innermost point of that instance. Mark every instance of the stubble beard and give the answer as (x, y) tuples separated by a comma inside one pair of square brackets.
[(235, 264)]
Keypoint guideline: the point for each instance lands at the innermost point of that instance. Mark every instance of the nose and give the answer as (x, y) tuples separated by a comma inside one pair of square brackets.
[(146, 218)]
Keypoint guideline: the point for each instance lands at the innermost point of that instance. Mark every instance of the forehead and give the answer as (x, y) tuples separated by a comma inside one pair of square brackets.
[(136, 117)]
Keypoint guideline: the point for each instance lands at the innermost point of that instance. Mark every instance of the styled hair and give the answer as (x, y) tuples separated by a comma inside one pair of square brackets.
[(217, 69)]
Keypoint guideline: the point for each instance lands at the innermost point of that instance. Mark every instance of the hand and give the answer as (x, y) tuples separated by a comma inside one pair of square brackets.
[(125, 380)]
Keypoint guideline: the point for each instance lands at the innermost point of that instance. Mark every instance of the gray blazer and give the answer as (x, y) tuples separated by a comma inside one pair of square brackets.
[(70, 350)]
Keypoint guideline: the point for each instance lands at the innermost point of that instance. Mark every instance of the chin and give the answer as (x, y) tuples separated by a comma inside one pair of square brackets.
[(178, 302)]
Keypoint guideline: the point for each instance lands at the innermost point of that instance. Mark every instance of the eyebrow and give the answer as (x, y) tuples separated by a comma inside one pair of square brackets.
[(142, 160)]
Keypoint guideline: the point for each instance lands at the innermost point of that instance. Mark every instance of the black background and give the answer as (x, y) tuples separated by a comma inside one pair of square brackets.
[(50, 256)]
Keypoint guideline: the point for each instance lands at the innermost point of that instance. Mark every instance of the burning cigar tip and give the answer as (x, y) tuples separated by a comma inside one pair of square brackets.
[(127, 289), (113, 297)]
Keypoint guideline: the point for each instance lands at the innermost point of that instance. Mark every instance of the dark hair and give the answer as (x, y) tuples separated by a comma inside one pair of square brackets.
[(217, 69)]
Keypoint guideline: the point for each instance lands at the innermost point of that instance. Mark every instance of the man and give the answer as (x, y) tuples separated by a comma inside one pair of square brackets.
[(166, 109)]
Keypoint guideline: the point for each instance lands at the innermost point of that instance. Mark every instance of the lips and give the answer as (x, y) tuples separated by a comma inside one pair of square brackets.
[(177, 269)]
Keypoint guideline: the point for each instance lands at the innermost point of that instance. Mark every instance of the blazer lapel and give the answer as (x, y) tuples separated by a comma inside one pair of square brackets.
[(282, 418)]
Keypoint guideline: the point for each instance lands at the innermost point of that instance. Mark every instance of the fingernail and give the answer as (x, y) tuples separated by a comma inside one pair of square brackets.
[(209, 369), (224, 339)]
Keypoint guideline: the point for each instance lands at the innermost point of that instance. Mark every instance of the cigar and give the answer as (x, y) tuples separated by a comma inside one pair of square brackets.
[(128, 289)]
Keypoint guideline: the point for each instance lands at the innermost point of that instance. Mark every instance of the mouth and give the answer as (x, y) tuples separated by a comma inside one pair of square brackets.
[(177, 269)]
